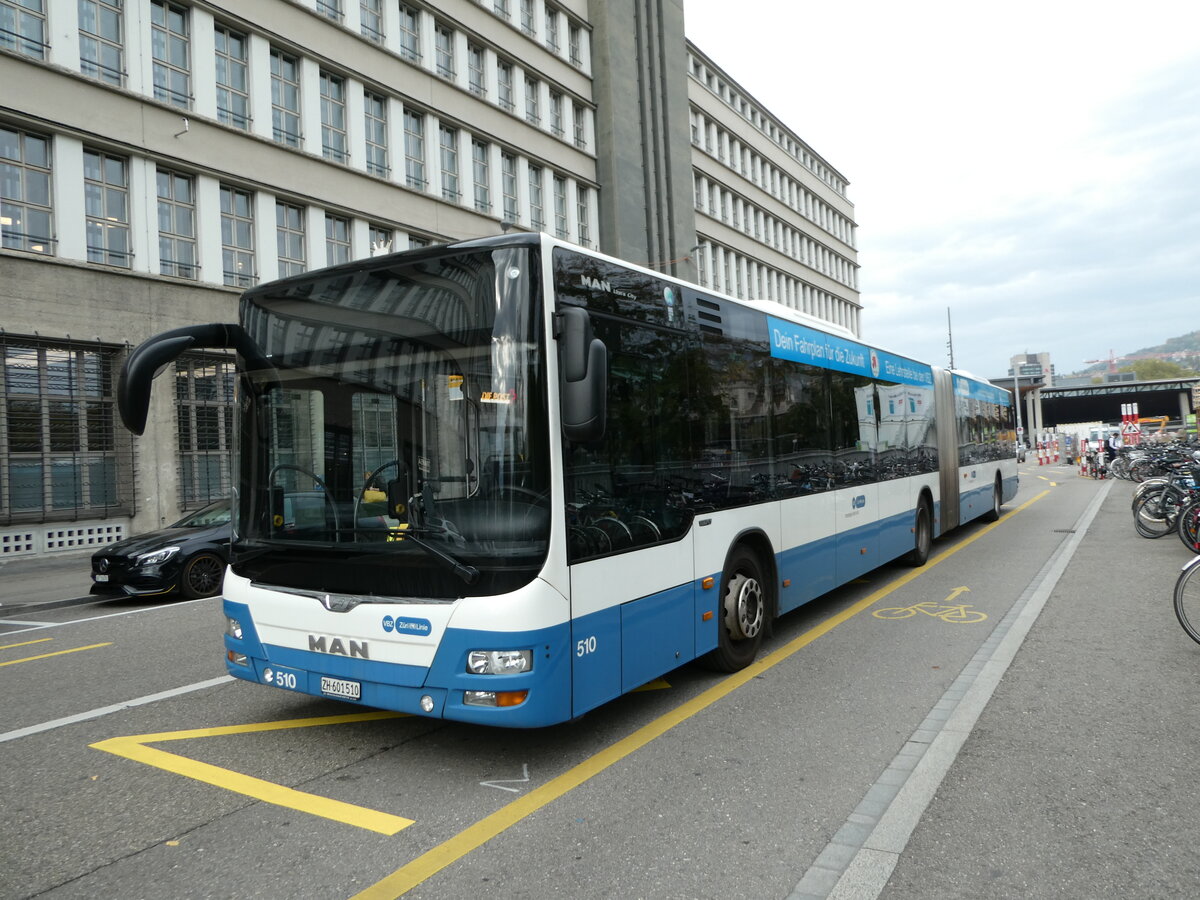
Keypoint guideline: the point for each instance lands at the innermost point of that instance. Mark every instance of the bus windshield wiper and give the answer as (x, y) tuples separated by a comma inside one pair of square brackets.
[(469, 574)]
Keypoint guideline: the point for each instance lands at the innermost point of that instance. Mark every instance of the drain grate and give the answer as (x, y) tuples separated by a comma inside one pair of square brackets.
[(1064, 531)]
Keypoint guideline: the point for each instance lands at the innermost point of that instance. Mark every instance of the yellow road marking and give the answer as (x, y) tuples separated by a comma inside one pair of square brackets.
[(134, 747), (13, 662), (474, 836), (658, 684), (954, 593), (24, 643)]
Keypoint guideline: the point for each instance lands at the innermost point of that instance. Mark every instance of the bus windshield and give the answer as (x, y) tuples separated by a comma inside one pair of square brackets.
[(396, 446)]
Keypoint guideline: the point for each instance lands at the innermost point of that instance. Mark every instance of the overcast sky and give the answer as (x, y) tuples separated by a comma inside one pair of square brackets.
[(1034, 167)]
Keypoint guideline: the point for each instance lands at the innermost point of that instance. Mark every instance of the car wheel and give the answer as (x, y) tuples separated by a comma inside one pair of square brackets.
[(202, 576)]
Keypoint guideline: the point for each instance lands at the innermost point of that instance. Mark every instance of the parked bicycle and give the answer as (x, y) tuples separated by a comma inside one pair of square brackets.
[(1187, 599)]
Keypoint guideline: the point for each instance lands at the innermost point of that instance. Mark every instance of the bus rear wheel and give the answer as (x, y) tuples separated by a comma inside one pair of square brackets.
[(743, 614), (993, 514), (922, 536)]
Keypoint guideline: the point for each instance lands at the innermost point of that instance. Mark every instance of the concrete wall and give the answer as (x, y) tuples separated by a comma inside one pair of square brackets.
[(643, 141)]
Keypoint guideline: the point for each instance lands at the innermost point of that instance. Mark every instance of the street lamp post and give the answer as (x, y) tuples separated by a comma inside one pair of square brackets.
[(1017, 401)]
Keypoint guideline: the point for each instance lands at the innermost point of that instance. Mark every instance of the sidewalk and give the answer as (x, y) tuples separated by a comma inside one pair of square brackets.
[(44, 581)]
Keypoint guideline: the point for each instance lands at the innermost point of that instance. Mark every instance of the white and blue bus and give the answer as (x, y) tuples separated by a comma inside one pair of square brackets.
[(504, 481)]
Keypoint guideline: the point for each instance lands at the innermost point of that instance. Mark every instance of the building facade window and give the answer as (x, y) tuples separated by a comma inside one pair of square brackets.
[(414, 150), (537, 206), (508, 186), (580, 126), (575, 45), (533, 112), (502, 8), (416, 243), (560, 206), (176, 225), (337, 240), (476, 73), (481, 173), (102, 40), (106, 207), (233, 79), (171, 48), (381, 239), (333, 118), (204, 409), (330, 9), (583, 215), (285, 98), (289, 239), (375, 126), (527, 25), (448, 141), (237, 237), (556, 114), (26, 207), (504, 85), (443, 46), (370, 18), (552, 40), (23, 27), (58, 430), (410, 33)]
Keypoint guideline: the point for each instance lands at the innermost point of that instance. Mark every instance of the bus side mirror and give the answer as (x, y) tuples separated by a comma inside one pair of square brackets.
[(584, 376), (397, 495), (151, 356)]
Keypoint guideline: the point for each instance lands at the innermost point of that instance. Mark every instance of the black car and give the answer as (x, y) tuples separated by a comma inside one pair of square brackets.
[(188, 558)]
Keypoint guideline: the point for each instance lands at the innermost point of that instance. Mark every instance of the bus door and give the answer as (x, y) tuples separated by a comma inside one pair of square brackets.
[(629, 512)]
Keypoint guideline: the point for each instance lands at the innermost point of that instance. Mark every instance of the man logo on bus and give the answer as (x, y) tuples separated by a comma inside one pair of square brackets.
[(319, 643), (874, 364), (858, 502)]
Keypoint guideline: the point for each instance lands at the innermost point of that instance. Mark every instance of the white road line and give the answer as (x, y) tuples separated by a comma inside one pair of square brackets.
[(108, 710), (177, 604)]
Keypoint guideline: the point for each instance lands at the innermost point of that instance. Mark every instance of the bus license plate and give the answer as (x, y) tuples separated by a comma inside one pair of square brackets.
[(337, 687)]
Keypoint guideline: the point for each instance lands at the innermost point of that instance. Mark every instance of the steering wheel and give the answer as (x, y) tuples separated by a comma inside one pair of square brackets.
[(278, 467), (362, 492)]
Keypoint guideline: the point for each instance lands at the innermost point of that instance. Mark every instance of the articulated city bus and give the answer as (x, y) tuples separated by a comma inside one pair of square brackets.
[(507, 480)]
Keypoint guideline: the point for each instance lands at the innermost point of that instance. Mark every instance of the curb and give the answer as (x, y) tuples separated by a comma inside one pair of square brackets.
[(7, 609)]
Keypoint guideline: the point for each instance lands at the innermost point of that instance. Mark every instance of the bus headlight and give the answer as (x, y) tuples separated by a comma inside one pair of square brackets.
[(499, 662)]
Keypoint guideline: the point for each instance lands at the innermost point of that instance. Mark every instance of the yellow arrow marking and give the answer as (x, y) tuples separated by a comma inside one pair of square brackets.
[(954, 593), (134, 747)]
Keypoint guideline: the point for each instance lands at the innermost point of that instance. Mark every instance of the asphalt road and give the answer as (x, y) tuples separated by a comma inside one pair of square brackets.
[(1038, 752)]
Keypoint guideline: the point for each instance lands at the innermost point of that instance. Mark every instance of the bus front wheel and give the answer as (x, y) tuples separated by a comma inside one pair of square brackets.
[(742, 618)]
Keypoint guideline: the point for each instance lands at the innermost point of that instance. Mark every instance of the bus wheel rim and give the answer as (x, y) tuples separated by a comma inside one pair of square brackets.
[(744, 607)]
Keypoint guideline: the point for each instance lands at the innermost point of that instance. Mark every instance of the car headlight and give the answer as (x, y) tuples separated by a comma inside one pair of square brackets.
[(155, 557), (499, 662)]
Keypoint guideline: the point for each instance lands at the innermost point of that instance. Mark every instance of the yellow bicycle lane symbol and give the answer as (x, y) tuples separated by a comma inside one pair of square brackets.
[(947, 611)]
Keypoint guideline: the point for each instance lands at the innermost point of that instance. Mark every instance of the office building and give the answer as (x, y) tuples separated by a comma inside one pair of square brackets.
[(160, 157)]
